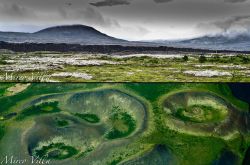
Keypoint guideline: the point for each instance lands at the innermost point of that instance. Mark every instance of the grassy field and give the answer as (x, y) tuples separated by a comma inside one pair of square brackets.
[(124, 123), (80, 67)]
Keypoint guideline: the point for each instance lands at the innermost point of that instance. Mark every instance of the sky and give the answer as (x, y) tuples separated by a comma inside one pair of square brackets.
[(131, 19)]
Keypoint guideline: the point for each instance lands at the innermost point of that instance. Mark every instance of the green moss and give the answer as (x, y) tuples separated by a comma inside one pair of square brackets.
[(187, 148), (62, 123), (2, 131), (153, 91), (123, 125), (84, 153), (200, 114), (151, 69), (56, 151), (40, 89), (43, 108), (115, 162), (4, 87), (202, 59), (91, 118)]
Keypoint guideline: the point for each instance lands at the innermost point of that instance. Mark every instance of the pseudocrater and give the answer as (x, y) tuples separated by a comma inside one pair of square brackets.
[(78, 125), (122, 114), (202, 113)]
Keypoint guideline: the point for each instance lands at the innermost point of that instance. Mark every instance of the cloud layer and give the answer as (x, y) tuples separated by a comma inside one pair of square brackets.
[(110, 3), (130, 19), (235, 1), (163, 1)]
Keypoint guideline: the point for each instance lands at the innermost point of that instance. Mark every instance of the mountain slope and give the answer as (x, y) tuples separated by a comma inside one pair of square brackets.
[(219, 42), (73, 34)]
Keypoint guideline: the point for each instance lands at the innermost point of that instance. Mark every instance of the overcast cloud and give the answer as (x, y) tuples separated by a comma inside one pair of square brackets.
[(130, 19), (235, 1), (110, 3)]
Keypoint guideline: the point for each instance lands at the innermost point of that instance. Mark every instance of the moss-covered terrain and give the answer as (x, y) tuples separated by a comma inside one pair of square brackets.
[(196, 107), (83, 67), (43, 108), (126, 123), (92, 118), (56, 151)]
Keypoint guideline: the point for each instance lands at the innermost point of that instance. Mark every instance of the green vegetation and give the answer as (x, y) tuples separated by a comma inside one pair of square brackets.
[(202, 59), (123, 125), (80, 142), (185, 58), (2, 60), (4, 87), (84, 153), (2, 131), (198, 107), (91, 118), (56, 151), (62, 123), (35, 90), (200, 114), (136, 68), (43, 108)]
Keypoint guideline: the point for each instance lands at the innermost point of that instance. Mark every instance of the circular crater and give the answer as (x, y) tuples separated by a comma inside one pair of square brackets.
[(57, 151), (122, 114), (86, 124), (196, 107), (200, 113), (61, 136)]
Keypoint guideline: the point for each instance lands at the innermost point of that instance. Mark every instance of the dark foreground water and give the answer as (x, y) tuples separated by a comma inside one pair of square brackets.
[(241, 91)]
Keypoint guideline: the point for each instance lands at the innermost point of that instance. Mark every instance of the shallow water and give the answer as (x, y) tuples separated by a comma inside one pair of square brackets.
[(246, 160), (241, 91), (227, 158)]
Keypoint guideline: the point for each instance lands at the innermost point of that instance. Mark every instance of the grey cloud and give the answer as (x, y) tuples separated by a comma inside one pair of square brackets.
[(92, 16), (110, 3), (154, 15), (162, 1), (236, 24), (227, 24), (235, 1), (14, 10), (63, 12)]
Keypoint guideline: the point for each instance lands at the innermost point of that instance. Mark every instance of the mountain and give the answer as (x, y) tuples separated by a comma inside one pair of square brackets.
[(85, 35), (219, 42), (70, 34)]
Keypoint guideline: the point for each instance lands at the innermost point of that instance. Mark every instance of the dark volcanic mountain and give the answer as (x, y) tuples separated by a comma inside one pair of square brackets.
[(85, 35), (220, 42), (73, 34)]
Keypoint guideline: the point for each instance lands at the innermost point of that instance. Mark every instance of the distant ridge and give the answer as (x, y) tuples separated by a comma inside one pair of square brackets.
[(86, 35), (240, 42), (70, 34)]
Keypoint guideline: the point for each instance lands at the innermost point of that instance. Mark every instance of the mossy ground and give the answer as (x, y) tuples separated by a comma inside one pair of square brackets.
[(200, 114), (197, 107), (187, 148), (43, 108), (92, 118), (4, 87), (123, 125), (143, 68), (57, 151), (62, 123)]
